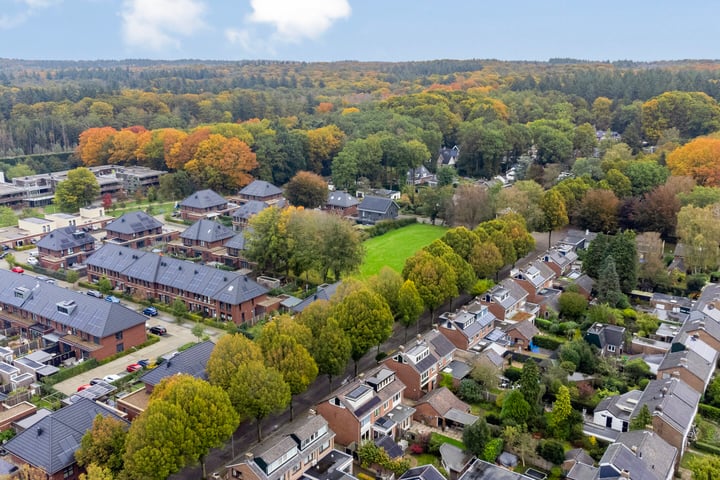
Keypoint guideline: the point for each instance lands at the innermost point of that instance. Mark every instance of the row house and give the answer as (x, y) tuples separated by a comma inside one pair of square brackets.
[(508, 301), (637, 454), (204, 204), (241, 216), (689, 366), (419, 364), (537, 280), (442, 409), (137, 230), (698, 327), (261, 191), (520, 334), (304, 448), (78, 324), (614, 412), (560, 259), (202, 239), (209, 291), (467, 327), (368, 408), (65, 247)]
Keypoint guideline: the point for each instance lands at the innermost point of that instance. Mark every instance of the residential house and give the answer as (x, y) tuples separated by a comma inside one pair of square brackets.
[(673, 405), (65, 247), (467, 327), (301, 449), (241, 216), (204, 239), (422, 472), (671, 303), (575, 456), (534, 278), (448, 157), (521, 334), (341, 203), (203, 204), (367, 408), (508, 301), (578, 239), (51, 443), (9, 414), (323, 292), (191, 361), (638, 454), (420, 176), (374, 209), (698, 327), (560, 259), (490, 358), (78, 325), (609, 339), (261, 191), (137, 230), (709, 302), (455, 460), (614, 412), (582, 471), (440, 408), (235, 248), (689, 366), (482, 470), (217, 293), (418, 365)]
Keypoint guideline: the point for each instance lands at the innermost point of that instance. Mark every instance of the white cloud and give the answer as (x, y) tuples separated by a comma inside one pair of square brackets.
[(25, 9), (295, 20), (158, 24)]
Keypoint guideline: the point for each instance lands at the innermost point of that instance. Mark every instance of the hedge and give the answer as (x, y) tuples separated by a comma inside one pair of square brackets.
[(543, 324), (709, 412), (546, 342), (707, 447), (384, 226), (70, 372)]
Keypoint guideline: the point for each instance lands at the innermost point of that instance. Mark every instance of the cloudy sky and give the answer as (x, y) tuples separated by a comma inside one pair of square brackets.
[(390, 30)]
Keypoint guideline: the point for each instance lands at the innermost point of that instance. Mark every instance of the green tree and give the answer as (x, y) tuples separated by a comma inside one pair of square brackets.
[(434, 279), (554, 212), (445, 176), (104, 444), (179, 309), (72, 276), (493, 449), (552, 451), (464, 274), (608, 286), (572, 305), (486, 259), (642, 419), (462, 241), (104, 285), (267, 241), (96, 472), (332, 350), (476, 436), (410, 305), (10, 259), (198, 330), (19, 170), (8, 217), (306, 189), (387, 283), (530, 383), (561, 412), (79, 190), (366, 319), (705, 467), (230, 352), (522, 442), (584, 140), (515, 408), (712, 394)]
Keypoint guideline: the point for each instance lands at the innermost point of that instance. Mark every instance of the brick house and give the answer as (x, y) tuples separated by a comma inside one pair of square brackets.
[(137, 230), (698, 327), (301, 449), (467, 327), (534, 278), (261, 191), (341, 203), (219, 294), (560, 259), (204, 239), (690, 367), (442, 409), (203, 204), (638, 454), (367, 408), (77, 324), (521, 334), (508, 301), (418, 363), (374, 209), (242, 215), (65, 247), (51, 443)]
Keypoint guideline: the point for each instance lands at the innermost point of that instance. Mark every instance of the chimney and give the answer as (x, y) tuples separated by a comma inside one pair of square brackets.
[(401, 348), (419, 338), (361, 376), (625, 474), (674, 374), (435, 327), (249, 456), (312, 412)]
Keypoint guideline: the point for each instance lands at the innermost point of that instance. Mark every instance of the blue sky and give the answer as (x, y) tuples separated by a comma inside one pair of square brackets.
[(386, 30)]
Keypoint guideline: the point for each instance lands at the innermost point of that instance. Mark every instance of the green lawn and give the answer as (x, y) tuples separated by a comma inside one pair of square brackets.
[(394, 247)]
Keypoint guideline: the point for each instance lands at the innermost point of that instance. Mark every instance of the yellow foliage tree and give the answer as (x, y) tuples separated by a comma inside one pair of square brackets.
[(700, 159), (94, 145), (324, 144)]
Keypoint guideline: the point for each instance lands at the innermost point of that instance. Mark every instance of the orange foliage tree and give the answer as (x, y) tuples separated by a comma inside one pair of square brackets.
[(222, 163), (94, 145), (122, 147), (699, 159), (184, 150), (323, 144)]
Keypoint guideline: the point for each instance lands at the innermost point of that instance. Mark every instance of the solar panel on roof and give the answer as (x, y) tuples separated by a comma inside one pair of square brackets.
[(358, 392)]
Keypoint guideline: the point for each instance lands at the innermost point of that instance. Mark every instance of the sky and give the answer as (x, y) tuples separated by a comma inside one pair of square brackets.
[(367, 30)]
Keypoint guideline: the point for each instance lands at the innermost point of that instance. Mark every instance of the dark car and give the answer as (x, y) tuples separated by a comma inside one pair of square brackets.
[(112, 299), (150, 311), (158, 330)]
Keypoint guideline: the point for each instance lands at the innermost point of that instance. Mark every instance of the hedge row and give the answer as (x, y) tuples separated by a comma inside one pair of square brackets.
[(543, 324), (384, 226), (546, 342), (707, 447), (709, 412)]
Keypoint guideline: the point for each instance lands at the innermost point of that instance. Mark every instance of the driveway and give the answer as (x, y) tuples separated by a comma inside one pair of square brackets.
[(177, 336)]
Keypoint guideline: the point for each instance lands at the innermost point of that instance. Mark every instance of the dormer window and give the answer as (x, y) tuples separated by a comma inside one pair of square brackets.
[(66, 307)]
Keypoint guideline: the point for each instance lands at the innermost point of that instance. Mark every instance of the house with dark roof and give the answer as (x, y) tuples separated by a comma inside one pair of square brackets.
[(534, 277), (235, 248), (482, 470), (440, 408), (203, 204), (374, 209), (698, 326), (51, 443), (560, 259), (367, 408), (301, 449), (455, 460), (217, 293), (65, 247), (509, 301), (641, 455), (575, 456), (341, 203), (448, 157), (261, 191), (418, 363), (420, 176), (614, 412), (204, 239), (191, 361), (323, 292), (521, 334), (241, 216), (75, 323), (689, 366), (673, 405), (422, 472), (468, 326), (609, 339), (137, 230)]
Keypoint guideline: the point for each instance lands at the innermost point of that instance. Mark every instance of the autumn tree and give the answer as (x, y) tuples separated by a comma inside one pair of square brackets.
[(561, 413), (602, 111), (554, 212), (323, 144), (598, 211), (103, 444), (221, 163), (486, 260), (79, 190), (464, 274), (94, 144), (520, 440), (410, 305), (267, 242), (331, 350), (697, 158), (699, 230), (387, 283), (434, 279), (307, 189), (229, 353), (472, 204), (462, 241)]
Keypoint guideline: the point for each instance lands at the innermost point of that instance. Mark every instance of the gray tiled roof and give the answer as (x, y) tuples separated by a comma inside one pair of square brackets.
[(443, 400), (657, 455), (581, 471), (375, 204), (688, 359), (50, 444), (92, 316), (207, 231), (238, 241), (64, 238), (525, 328), (671, 399), (423, 472), (203, 199), (220, 285), (249, 209), (191, 361), (454, 457), (341, 199), (323, 293), (481, 470), (620, 406), (133, 222), (439, 343), (261, 189)]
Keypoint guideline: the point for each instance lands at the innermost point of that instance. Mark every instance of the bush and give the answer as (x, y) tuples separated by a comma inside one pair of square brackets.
[(553, 451), (70, 372), (543, 324), (513, 374), (709, 412), (470, 391), (417, 449), (384, 226), (545, 342), (493, 449), (707, 447)]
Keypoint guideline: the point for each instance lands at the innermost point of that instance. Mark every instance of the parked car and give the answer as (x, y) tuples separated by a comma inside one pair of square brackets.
[(111, 378), (32, 261), (133, 367), (150, 311), (5, 248), (83, 387), (158, 330), (17, 269), (50, 281), (112, 298), (42, 278), (95, 293), (3, 255), (96, 380)]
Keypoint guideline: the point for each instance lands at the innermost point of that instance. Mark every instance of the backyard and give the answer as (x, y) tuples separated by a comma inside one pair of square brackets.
[(394, 247)]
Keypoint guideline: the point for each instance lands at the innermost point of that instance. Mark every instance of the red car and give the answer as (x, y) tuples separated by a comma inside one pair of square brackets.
[(134, 367), (17, 269), (83, 387)]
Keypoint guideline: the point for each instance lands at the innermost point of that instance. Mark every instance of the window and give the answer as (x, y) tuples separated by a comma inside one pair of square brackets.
[(96, 340), (120, 347), (325, 446), (118, 336), (611, 348), (69, 471)]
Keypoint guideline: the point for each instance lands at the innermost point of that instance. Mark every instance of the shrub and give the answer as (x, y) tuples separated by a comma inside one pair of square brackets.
[(417, 449), (493, 449), (513, 374), (546, 342), (384, 226), (552, 451), (709, 412), (707, 447), (543, 324)]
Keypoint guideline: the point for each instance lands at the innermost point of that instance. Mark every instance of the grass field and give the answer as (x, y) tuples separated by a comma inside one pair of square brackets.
[(394, 247)]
